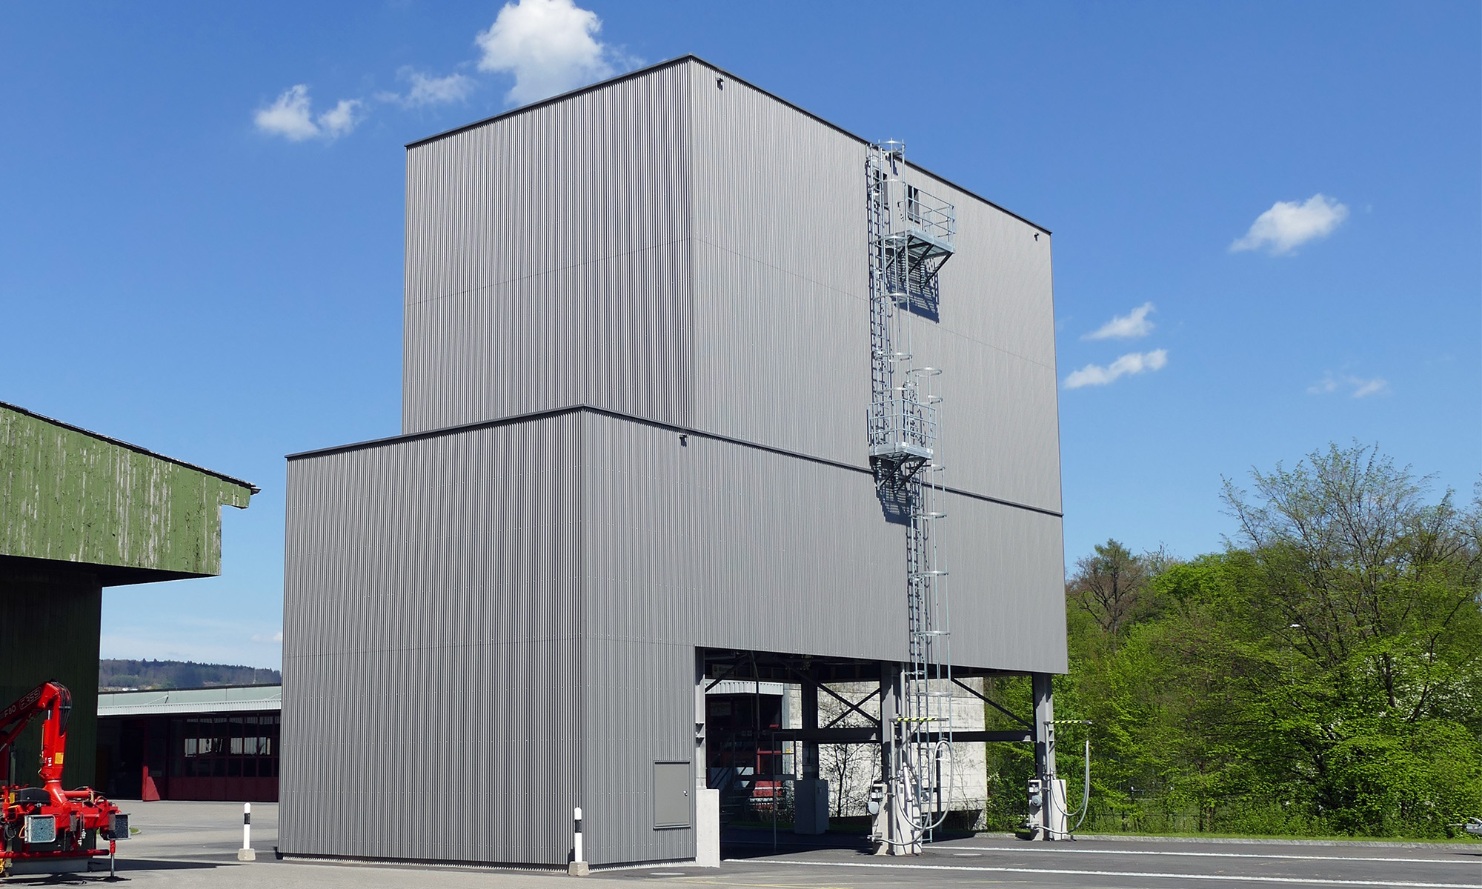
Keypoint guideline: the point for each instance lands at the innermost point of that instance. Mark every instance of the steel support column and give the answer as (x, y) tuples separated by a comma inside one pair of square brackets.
[(1044, 754)]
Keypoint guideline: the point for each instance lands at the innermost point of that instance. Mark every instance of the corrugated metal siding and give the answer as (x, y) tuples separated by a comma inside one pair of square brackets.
[(782, 303), (432, 665), (695, 255), (692, 255), (714, 544), (487, 627), (641, 709), (996, 346), (547, 261)]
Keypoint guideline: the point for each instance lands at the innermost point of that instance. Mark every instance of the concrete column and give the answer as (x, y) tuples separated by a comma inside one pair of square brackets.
[(894, 821), (1049, 819), (707, 801), (808, 750), (810, 808)]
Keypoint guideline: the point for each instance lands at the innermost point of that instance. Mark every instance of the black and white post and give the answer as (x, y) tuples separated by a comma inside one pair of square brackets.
[(578, 866), (245, 853)]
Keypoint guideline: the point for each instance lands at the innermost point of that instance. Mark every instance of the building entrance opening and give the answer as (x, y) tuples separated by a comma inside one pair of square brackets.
[(792, 747)]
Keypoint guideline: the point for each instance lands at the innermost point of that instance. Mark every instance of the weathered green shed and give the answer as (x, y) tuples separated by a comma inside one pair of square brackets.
[(80, 511)]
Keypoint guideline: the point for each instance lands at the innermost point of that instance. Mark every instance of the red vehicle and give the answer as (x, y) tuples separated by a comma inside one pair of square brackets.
[(45, 829), (744, 756)]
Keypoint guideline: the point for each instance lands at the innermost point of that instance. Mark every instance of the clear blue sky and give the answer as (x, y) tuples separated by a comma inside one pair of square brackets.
[(200, 259)]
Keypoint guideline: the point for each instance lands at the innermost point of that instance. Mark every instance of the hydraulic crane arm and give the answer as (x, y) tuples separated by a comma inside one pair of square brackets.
[(53, 702)]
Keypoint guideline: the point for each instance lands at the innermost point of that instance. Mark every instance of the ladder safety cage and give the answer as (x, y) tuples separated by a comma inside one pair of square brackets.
[(910, 237)]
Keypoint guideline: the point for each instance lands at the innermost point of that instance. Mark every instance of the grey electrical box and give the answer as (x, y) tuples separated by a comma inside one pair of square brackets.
[(673, 784), (118, 827)]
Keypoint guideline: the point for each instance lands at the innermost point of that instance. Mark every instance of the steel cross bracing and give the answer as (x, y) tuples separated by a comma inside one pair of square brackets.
[(910, 238)]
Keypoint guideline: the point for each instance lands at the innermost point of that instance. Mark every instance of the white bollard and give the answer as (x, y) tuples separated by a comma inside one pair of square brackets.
[(245, 853), (578, 866)]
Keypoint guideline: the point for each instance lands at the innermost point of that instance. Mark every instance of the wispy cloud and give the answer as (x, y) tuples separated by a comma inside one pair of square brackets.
[(1355, 387), (1132, 325), (1131, 364), (182, 641), (293, 118), (425, 89), (550, 46), (1288, 225)]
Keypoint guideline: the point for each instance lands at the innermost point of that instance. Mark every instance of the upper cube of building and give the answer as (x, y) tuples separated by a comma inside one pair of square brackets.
[(679, 246)]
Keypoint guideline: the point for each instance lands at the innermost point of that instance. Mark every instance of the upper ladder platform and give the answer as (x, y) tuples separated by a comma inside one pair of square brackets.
[(922, 227)]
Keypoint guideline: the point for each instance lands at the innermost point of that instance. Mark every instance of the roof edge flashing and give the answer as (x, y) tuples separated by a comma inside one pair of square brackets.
[(691, 57)]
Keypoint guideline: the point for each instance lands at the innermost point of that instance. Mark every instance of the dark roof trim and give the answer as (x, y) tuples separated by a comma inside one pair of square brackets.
[(132, 447), (641, 72), (105, 575), (669, 427)]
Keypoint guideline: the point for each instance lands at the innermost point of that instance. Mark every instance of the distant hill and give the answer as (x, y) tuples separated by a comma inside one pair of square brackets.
[(119, 675)]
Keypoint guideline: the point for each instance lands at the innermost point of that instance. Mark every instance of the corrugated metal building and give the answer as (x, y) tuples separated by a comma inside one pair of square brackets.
[(637, 362)]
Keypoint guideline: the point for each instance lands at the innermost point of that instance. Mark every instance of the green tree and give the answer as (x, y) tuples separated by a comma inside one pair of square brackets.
[(1108, 585), (1355, 624)]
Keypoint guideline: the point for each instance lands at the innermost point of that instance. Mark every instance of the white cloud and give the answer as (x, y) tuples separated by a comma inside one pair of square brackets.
[(429, 90), (289, 116), (266, 637), (1356, 387), (1131, 364), (292, 117), (550, 46), (1288, 225), (1125, 327), (340, 119)]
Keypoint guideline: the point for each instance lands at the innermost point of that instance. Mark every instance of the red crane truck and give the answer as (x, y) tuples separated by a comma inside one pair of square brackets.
[(47, 829)]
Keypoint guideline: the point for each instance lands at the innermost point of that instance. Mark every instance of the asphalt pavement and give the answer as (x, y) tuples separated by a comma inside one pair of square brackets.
[(184, 844)]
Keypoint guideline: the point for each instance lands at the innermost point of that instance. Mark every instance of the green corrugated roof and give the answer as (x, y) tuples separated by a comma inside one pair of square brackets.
[(222, 699)]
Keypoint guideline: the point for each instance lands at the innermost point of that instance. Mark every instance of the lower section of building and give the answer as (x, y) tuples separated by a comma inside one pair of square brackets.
[(487, 628)]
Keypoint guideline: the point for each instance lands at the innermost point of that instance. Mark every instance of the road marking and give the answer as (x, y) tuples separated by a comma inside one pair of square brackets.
[(1215, 854), (1300, 881)]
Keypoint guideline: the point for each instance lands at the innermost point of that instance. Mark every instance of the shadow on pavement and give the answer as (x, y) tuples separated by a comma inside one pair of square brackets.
[(760, 842)]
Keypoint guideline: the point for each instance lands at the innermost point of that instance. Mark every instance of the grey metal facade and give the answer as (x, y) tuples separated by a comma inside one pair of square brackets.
[(636, 368), (432, 648), (664, 248)]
